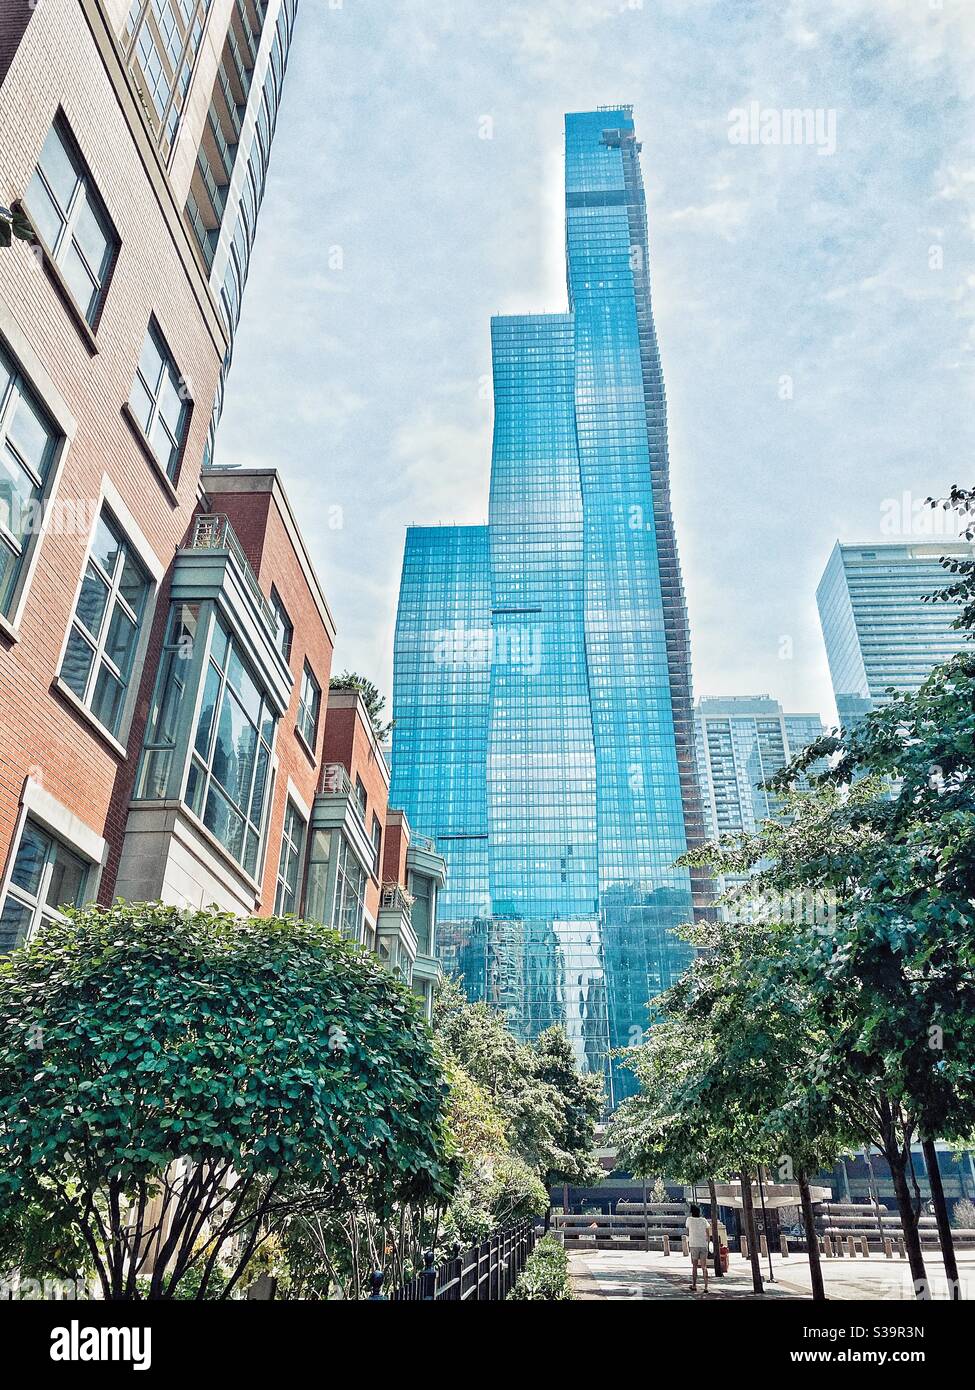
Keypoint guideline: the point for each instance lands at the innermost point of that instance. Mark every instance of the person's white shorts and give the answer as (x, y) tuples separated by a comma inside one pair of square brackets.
[(699, 1252)]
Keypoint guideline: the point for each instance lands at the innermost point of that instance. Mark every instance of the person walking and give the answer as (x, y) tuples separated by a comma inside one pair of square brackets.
[(697, 1242)]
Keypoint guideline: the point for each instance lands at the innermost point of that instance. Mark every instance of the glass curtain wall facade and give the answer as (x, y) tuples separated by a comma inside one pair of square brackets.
[(567, 719), (880, 635)]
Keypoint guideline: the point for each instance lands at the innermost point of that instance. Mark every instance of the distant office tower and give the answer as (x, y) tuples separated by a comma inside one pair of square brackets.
[(542, 690), (742, 740), (879, 634)]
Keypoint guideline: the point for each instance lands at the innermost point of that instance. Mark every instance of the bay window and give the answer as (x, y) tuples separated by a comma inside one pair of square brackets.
[(231, 757)]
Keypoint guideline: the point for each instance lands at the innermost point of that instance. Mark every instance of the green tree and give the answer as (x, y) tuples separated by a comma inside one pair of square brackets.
[(180, 1083), (375, 702), (580, 1099)]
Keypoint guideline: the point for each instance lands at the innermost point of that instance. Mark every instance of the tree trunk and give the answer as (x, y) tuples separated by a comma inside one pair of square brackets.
[(748, 1215), (941, 1214), (812, 1241), (715, 1238), (905, 1209)]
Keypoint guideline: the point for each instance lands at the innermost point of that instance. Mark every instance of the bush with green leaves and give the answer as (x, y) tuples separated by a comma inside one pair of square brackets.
[(176, 1084), (545, 1277)]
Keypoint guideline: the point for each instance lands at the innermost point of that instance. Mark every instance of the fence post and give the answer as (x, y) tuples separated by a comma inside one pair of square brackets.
[(456, 1269), (376, 1285), (428, 1279)]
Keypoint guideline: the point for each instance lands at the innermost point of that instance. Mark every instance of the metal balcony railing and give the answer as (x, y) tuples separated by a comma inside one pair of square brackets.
[(213, 531), (395, 898), (335, 780), (423, 842)]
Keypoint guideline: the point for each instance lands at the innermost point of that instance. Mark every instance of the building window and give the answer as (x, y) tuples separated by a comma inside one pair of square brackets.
[(231, 762), (28, 444), (424, 904), (360, 796), (309, 702), (71, 221), (162, 729), (45, 876), (350, 893), (289, 864), (160, 402), (284, 629), (104, 631), (377, 841)]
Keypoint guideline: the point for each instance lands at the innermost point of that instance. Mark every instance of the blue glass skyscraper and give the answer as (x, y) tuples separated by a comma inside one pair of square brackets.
[(542, 694)]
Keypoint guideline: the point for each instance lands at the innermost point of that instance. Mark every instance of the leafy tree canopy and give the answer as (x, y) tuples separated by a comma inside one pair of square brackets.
[(375, 702), (265, 1052)]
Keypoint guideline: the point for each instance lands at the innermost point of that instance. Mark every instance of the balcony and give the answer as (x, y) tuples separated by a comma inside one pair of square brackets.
[(337, 808), (212, 531), (396, 939), (424, 858), (395, 898), (216, 192)]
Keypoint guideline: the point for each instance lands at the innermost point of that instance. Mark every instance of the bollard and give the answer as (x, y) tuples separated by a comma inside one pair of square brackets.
[(902, 1248), (888, 1248), (428, 1279), (685, 1249), (763, 1245), (744, 1246), (666, 1245), (784, 1246), (851, 1249), (839, 1247), (865, 1248), (827, 1247), (376, 1285)]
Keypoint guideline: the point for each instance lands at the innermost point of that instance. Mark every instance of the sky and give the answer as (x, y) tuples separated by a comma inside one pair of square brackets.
[(815, 306)]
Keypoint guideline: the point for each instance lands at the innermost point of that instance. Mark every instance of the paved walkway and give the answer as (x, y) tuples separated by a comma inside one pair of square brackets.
[(612, 1274)]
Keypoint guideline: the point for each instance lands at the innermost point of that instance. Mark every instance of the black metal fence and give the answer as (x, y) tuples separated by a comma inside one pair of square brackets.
[(484, 1272)]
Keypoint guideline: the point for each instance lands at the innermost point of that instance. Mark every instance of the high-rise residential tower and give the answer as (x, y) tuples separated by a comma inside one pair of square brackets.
[(542, 691), (742, 740), (880, 634)]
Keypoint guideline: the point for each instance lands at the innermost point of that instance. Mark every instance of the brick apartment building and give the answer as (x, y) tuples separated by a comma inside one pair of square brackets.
[(165, 645)]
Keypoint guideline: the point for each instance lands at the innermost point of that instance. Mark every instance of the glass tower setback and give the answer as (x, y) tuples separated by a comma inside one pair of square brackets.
[(585, 711), (879, 633)]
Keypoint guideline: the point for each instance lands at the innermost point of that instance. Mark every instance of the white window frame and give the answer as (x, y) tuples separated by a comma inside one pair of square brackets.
[(172, 467), (84, 185), (308, 674), (38, 805), (280, 881), (32, 369), (110, 499)]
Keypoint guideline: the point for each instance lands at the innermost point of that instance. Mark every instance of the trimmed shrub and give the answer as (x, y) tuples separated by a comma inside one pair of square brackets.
[(545, 1277)]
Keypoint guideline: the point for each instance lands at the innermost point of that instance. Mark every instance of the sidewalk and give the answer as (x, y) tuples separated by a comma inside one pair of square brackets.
[(612, 1274)]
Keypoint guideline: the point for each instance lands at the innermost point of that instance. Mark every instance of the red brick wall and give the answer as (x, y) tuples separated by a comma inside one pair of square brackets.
[(396, 842), (348, 741), (58, 64)]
